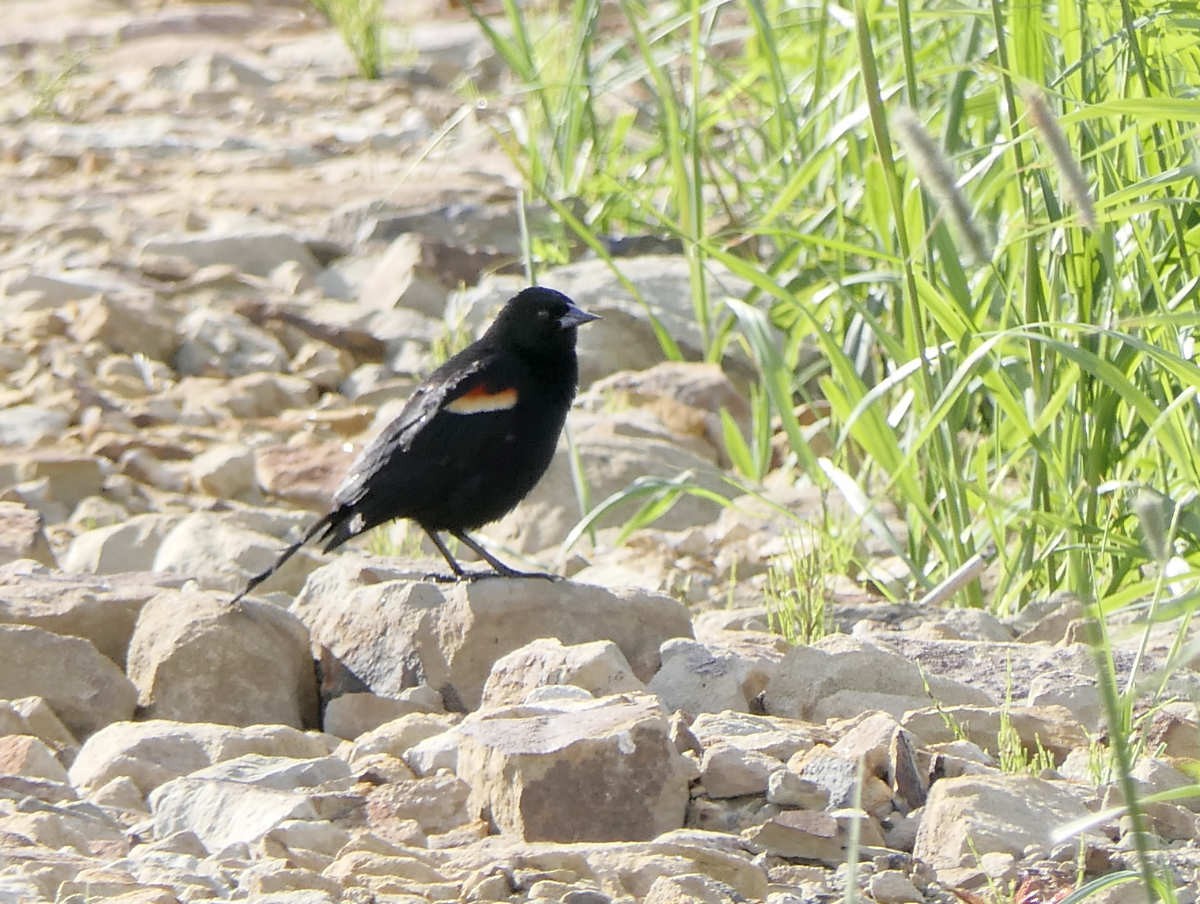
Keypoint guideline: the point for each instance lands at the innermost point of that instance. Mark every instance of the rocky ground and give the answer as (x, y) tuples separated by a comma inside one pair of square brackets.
[(225, 262)]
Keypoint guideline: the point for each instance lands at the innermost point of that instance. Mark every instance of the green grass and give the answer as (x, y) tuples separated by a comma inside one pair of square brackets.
[(360, 23), (983, 217)]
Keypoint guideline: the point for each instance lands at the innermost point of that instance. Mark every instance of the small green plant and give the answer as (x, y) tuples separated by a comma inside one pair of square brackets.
[(360, 23), (395, 540), (796, 585), (454, 336), (49, 85), (1012, 755)]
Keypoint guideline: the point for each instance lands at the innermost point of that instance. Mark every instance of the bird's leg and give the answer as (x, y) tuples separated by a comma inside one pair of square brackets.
[(500, 567), (459, 574)]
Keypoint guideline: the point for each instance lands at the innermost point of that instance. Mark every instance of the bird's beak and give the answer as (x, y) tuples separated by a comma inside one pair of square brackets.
[(576, 317)]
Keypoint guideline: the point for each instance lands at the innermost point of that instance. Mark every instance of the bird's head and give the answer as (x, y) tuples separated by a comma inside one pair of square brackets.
[(540, 319)]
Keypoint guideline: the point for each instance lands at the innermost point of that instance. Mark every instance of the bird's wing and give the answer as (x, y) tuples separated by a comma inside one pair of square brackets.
[(461, 385)]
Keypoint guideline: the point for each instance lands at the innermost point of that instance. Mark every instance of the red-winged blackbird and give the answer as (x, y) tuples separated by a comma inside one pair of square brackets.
[(472, 441)]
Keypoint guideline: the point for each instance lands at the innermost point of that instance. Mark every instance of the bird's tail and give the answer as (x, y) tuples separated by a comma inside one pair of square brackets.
[(323, 526)]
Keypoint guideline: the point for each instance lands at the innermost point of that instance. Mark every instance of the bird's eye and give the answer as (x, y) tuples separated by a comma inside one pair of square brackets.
[(543, 314)]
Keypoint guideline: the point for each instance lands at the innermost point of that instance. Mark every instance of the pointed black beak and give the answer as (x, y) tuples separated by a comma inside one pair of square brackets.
[(576, 317)]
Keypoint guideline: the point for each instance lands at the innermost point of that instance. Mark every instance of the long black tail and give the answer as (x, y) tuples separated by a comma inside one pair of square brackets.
[(324, 526)]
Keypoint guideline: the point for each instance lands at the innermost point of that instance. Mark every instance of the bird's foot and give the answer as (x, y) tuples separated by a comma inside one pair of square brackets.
[(439, 578), (471, 576), (513, 573)]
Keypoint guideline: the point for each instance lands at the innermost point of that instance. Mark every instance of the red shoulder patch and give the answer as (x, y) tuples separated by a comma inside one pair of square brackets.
[(481, 398)]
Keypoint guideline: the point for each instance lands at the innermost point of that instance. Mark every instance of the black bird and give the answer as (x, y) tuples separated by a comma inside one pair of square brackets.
[(472, 441)]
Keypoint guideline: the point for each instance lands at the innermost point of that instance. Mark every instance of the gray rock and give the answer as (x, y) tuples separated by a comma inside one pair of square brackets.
[(101, 609), (222, 555), (1053, 728), (84, 687), (709, 678), (131, 328), (130, 545), (394, 634), (150, 753), (354, 714), (226, 472), (194, 658), (611, 758), (776, 737), (436, 803), (598, 667), (255, 253), (994, 813), (215, 342), (729, 771), (693, 888), (396, 737), (21, 535), (26, 425), (240, 800), (29, 756), (611, 464), (841, 677)]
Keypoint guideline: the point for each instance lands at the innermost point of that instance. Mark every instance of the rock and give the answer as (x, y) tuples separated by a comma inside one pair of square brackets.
[(598, 667), (776, 737), (255, 253), (258, 395), (393, 634), (729, 771), (240, 800), (611, 463), (33, 715), (396, 280), (835, 775), (1080, 698), (226, 471), (304, 475), (692, 888), (351, 715), (100, 609), (28, 425), (888, 752), (194, 658), (67, 478), (1176, 730), (611, 758), (1051, 727), (22, 535), (891, 886), (86, 690), (130, 545), (396, 737), (841, 677), (434, 754), (993, 813), (125, 326), (436, 803), (709, 678), (227, 344), (1000, 671), (686, 397), (153, 752), (786, 789), (222, 555), (29, 756), (801, 835)]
